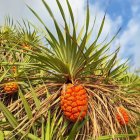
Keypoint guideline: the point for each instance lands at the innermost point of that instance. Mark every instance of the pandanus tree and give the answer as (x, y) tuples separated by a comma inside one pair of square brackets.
[(75, 89)]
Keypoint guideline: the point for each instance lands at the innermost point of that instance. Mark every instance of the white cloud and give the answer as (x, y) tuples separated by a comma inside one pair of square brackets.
[(130, 37), (130, 41), (135, 8)]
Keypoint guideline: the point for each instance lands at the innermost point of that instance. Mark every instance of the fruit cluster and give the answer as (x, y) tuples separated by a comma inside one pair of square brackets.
[(122, 116), (74, 102), (11, 87), (14, 69)]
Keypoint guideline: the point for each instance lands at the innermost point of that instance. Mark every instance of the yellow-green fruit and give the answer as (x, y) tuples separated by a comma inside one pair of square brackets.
[(74, 102), (25, 46), (10, 88)]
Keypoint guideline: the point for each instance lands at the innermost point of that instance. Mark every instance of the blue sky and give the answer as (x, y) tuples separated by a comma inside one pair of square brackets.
[(117, 7), (120, 13)]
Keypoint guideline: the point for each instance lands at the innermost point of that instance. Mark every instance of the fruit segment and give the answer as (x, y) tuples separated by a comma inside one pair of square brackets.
[(74, 102)]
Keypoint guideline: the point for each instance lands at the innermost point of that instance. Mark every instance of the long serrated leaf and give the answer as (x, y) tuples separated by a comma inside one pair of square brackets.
[(48, 127), (1, 135), (77, 126), (59, 33), (116, 136), (26, 105), (101, 28), (36, 100), (111, 63), (49, 32), (10, 117), (87, 17)]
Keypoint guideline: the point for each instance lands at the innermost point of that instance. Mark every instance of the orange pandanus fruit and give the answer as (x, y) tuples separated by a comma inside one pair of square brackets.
[(11, 87), (74, 102), (122, 116), (14, 69)]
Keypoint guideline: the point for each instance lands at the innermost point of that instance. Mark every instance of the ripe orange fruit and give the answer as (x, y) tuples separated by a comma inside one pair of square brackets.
[(122, 116), (74, 102), (11, 87), (14, 69)]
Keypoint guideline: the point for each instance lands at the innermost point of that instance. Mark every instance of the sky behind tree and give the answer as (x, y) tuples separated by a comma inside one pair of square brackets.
[(120, 13)]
